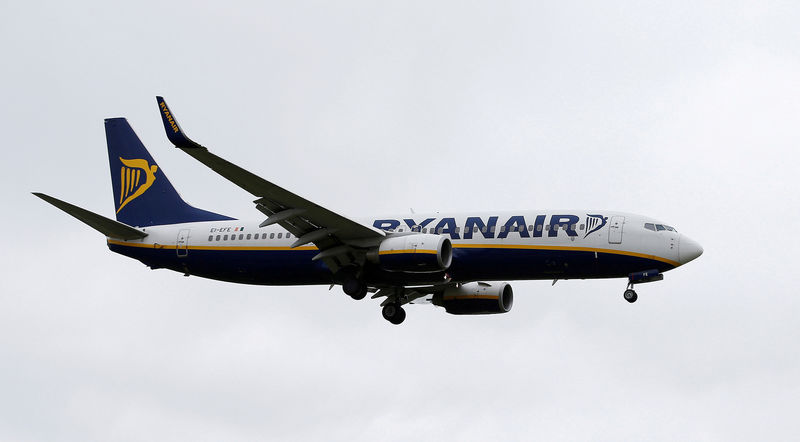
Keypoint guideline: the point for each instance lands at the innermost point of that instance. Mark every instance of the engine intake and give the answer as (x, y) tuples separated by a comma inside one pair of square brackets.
[(415, 253), (476, 298)]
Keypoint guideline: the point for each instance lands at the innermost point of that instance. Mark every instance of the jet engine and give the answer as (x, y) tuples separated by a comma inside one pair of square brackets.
[(476, 298), (415, 253)]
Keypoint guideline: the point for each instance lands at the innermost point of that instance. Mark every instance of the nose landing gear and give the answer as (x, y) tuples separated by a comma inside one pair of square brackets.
[(630, 295), (640, 278)]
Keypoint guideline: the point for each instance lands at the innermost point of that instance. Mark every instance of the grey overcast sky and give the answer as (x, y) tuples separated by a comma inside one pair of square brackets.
[(686, 111)]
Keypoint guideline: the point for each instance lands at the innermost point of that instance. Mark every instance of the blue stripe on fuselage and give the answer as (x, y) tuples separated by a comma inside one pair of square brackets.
[(295, 267)]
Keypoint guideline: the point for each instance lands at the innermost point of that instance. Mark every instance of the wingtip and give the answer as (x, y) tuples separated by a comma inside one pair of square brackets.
[(174, 132)]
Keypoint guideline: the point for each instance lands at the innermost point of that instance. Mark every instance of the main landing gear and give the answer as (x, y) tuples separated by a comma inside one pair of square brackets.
[(394, 313), (630, 295), (355, 288)]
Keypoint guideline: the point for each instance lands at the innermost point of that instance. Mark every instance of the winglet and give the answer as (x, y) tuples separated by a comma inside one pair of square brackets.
[(174, 131)]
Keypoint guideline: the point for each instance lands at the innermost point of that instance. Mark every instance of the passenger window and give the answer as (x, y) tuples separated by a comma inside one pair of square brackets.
[(493, 229), (217, 237), (233, 237), (581, 227), (547, 227), (288, 235), (248, 236), (539, 228), (225, 238), (211, 237), (279, 235), (650, 226), (483, 229), (271, 236), (458, 229), (241, 236), (530, 227), (502, 229)]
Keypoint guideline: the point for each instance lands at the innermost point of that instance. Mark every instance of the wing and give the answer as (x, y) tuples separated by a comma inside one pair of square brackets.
[(342, 242)]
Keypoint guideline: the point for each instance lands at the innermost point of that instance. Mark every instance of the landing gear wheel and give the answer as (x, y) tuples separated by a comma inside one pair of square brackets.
[(354, 288), (394, 313), (361, 293), (630, 296)]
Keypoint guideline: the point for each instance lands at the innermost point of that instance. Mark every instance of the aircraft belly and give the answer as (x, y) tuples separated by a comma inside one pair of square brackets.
[(499, 264), (263, 267), (295, 267)]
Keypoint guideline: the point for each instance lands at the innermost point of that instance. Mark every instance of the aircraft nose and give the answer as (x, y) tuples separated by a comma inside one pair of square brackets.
[(688, 250)]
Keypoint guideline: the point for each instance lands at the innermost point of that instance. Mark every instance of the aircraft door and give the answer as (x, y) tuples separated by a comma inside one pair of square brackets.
[(615, 229), (183, 243)]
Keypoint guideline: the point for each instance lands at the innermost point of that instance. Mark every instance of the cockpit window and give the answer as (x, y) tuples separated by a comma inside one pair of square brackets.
[(659, 227)]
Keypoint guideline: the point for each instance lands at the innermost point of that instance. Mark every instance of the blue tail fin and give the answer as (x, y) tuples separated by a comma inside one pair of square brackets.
[(143, 196)]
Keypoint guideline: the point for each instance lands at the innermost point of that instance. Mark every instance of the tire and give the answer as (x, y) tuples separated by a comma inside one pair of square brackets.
[(630, 296), (394, 314), (361, 294), (352, 287), (399, 316), (389, 311)]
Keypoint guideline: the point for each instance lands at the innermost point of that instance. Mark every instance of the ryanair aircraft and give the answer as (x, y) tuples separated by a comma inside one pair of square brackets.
[(440, 259)]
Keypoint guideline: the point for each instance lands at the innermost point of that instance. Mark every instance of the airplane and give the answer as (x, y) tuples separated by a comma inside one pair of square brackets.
[(452, 260)]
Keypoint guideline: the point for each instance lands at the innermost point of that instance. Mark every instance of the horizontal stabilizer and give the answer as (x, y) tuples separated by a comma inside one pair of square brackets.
[(106, 226)]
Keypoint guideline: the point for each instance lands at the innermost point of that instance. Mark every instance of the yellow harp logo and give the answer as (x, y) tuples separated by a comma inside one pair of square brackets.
[(131, 185)]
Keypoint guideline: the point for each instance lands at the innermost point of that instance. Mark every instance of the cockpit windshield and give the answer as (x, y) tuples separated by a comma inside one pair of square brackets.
[(658, 227)]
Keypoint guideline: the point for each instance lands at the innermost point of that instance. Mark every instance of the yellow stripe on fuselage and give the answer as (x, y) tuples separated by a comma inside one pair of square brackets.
[(450, 298), (173, 246), (566, 249), (388, 252), (394, 252)]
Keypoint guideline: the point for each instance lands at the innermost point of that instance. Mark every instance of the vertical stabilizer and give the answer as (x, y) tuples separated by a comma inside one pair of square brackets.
[(143, 195)]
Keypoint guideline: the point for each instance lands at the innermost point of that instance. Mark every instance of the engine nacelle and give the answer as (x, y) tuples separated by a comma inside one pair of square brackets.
[(415, 253), (476, 298)]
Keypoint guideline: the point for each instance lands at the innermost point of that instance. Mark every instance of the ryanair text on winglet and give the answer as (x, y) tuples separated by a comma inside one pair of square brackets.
[(168, 115)]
